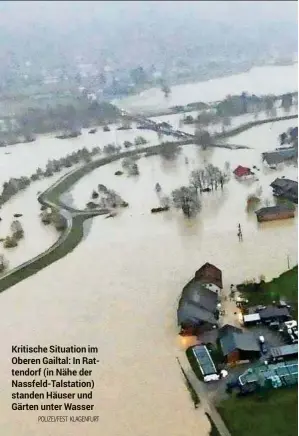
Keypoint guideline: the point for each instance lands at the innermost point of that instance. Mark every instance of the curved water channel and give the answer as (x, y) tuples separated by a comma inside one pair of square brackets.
[(119, 288)]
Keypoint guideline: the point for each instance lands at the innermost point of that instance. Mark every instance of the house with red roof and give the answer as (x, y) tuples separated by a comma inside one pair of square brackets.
[(242, 173)]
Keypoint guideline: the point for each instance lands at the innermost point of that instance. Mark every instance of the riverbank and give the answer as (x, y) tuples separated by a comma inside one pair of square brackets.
[(75, 218), (275, 414), (195, 106), (258, 81)]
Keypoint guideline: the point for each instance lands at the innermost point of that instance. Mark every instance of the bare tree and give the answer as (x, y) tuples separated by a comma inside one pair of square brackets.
[(197, 179), (226, 122), (210, 177), (165, 201), (286, 102), (169, 151), (186, 198), (203, 137)]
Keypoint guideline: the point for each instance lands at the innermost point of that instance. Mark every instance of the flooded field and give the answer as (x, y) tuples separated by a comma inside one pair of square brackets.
[(118, 290), (36, 154), (175, 120), (258, 80)]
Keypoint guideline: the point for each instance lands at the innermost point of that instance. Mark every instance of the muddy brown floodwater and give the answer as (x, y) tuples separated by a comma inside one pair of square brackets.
[(118, 290)]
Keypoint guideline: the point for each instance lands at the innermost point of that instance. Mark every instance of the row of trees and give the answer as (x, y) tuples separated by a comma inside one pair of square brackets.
[(236, 105), (14, 185), (82, 112), (187, 198)]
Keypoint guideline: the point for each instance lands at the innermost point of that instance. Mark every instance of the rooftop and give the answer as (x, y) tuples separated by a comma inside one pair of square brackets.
[(284, 183), (204, 359), (284, 350), (285, 371), (209, 273), (227, 328), (275, 209), (197, 303), (242, 171), (239, 341), (277, 157), (273, 311)]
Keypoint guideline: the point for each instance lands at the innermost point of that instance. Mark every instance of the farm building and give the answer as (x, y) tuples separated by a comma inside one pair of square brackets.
[(204, 360), (285, 188), (284, 352), (210, 276), (226, 329), (271, 376), (273, 213), (274, 158), (273, 313), (243, 173), (237, 346), (197, 308), (251, 319)]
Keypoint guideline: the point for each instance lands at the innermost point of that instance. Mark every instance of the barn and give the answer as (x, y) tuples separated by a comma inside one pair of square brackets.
[(237, 346), (284, 352)]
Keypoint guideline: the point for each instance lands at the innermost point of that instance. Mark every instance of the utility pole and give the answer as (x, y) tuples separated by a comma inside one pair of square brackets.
[(240, 234), (288, 259)]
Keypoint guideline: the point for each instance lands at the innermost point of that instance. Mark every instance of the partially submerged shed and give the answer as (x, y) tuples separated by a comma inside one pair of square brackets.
[(274, 158), (273, 213)]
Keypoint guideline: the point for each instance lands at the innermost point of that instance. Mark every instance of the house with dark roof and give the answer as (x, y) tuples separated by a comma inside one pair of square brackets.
[(237, 346), (227, 329), (197, 308), (285, 188), (284, 352), (242, 173), (210, 276), (274, 158), (272, 213), (274, 313)]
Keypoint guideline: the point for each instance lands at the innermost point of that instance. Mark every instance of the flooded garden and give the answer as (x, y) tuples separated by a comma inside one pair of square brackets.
[(118, 290)]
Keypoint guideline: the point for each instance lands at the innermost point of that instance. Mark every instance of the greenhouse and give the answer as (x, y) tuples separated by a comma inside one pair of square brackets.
[(272, 375)]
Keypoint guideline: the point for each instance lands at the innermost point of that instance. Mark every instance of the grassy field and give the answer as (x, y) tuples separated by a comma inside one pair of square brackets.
[(283, 287), (275, 415)]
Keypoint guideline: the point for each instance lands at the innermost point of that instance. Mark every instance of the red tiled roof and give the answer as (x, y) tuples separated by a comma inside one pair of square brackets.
[(242, 171)]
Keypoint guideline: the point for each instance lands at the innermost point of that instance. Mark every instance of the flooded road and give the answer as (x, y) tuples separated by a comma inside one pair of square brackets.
[(118, 290)]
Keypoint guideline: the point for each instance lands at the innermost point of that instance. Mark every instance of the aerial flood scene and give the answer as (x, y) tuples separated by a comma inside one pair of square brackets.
[(148, 218)]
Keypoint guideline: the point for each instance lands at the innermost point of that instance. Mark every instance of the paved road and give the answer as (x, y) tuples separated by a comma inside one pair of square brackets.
[(206, 404)]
